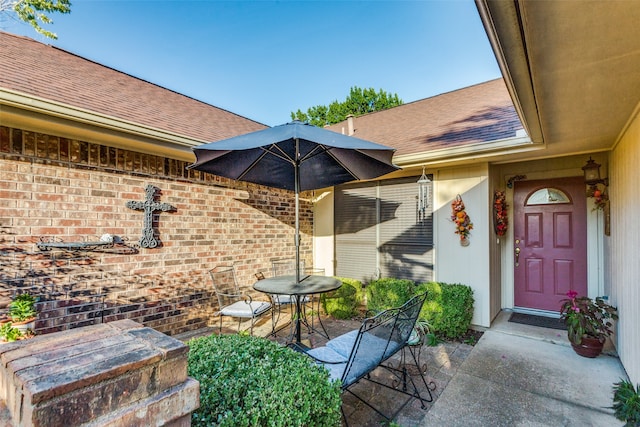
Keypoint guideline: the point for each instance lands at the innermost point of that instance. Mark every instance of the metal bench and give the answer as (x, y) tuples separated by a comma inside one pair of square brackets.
[(353, 356)]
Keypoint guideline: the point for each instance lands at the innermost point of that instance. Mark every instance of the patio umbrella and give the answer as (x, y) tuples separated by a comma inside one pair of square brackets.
[(295, 156)]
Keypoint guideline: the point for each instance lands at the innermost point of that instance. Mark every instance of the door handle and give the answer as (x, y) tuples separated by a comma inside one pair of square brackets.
[(517, 251)]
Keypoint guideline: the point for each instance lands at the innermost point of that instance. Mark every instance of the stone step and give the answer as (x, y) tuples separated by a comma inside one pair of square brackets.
[(95, 372)]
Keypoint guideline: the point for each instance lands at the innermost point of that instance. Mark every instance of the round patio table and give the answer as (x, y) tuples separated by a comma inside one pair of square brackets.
[(308, 285)]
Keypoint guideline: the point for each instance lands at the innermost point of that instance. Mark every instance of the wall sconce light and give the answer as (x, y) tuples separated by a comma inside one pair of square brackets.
[(600, 197), (592, 173)]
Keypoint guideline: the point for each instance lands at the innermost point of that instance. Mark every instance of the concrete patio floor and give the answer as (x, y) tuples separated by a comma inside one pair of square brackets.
[(520, 375), (516, 375)]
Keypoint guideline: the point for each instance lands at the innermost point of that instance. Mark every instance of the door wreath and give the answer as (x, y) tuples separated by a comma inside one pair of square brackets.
[(500, 215), (460, 217)]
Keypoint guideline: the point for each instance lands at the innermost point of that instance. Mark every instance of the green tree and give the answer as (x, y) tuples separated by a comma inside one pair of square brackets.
[(34, 12), (359, 102)]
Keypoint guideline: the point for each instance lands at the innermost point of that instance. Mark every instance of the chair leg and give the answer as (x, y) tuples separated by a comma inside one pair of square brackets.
[(326, 334), (274, 323), (311, 324), (404, 378), (344, 417), (429, 386)]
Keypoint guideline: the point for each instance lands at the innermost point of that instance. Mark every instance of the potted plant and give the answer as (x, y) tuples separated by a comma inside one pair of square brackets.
[(626, 403), (420, 330), (588, 323), (22, 312), (8, 333)]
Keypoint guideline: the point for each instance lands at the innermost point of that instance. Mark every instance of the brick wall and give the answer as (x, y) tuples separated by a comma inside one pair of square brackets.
[(56, 189)]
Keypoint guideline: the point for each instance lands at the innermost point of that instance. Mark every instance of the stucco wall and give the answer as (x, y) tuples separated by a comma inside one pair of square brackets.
[(323, 238), (75, 191), (624, 269), (455, 263)]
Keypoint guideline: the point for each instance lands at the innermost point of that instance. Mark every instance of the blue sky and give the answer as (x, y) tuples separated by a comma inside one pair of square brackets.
[(264, 59)]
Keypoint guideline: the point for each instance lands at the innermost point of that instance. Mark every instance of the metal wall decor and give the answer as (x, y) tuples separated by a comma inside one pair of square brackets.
[(514, 178), (148, 239), (424, 196)]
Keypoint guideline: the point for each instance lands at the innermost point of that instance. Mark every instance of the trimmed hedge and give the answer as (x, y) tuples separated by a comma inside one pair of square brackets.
[(448, 309), (251, 381), (383, 294), (343, 303)]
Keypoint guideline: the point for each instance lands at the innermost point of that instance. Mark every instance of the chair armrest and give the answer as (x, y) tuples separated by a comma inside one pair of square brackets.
[(246, 297), (249, 299)]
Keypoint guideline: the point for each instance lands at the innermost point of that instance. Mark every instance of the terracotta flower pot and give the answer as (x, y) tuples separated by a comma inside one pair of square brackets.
[(589, 347), (25, 325)]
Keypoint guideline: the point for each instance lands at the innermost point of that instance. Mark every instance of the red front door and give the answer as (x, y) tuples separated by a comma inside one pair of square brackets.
[(550, 239)]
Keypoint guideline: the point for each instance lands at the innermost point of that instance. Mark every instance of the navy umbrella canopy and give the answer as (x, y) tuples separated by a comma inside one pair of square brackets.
[(295, 156), (268, 157)]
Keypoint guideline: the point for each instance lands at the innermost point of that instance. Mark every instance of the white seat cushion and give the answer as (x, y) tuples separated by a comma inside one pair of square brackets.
[(287, 299), (242, 309)]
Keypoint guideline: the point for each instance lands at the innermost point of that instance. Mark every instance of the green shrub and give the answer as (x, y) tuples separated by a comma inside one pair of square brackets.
[(343, 303), (448, 309), (251, 381), (626, 403), (383, 294)]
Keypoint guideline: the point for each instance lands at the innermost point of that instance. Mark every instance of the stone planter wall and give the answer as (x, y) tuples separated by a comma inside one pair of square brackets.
[(116, 374)]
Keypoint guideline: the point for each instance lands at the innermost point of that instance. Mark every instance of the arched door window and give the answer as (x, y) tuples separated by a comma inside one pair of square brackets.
[(547, 196)]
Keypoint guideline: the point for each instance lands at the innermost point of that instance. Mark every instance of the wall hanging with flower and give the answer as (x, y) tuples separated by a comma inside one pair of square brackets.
[(500, 216), (600, 197), (461, 220)]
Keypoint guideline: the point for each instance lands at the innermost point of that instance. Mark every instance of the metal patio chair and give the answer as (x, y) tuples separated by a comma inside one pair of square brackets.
[(353, 356), (232, 302)]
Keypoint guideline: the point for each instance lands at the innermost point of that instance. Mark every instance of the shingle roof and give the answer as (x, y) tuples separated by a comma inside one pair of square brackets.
[(475, 114), (30, 67)]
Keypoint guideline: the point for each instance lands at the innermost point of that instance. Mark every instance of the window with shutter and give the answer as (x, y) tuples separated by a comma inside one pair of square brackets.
[(379, 233)]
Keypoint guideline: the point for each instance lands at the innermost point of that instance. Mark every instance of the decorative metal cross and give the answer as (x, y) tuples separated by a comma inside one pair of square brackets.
[(148, 239)]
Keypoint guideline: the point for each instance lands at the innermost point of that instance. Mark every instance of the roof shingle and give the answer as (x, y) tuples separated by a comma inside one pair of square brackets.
[(33, 68), (475, 114)]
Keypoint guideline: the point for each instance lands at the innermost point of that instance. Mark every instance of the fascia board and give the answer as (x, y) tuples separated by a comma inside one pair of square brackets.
[(502, 21), (51, 108), (471, 151)]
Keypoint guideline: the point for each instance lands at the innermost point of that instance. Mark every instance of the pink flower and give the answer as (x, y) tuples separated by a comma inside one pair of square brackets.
[(572, 294), (576, 309)]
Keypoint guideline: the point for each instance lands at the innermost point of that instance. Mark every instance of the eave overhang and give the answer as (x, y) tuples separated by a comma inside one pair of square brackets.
[(41, 115), (509, 37)]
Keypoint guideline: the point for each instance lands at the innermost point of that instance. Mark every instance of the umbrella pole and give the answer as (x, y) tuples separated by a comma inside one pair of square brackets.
[(296, 167)]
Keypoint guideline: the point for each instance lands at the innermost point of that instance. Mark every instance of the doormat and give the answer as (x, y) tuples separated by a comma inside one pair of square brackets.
[(542, 321)]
